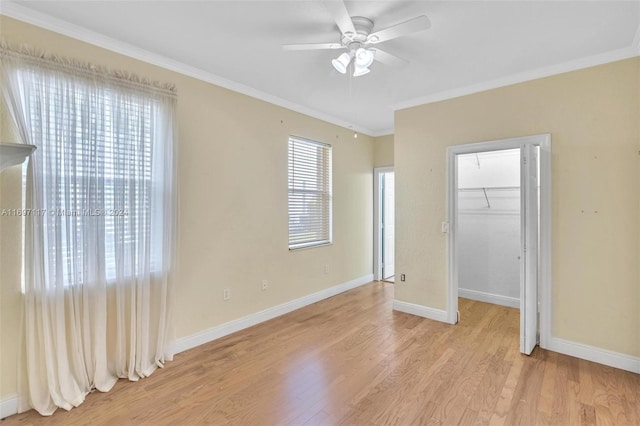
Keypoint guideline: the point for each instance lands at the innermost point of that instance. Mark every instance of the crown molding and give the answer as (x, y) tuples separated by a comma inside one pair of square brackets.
[(384, 132), (30, 16), (589, 61)]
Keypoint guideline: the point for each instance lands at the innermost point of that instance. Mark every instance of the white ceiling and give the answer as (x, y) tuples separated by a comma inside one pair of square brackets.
[(471, 46)]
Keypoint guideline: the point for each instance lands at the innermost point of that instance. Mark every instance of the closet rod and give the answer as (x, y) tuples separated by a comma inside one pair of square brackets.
[(489, 188), (486, 197)]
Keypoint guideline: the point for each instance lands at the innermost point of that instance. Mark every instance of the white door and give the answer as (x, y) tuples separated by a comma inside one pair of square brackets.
[(529, 249), (388, 225)]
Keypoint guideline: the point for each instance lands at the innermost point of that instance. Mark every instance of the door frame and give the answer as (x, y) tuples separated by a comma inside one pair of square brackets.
[(544, 249), (377, 221)]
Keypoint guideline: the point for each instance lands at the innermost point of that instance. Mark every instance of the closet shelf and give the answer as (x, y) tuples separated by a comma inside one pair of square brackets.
[(12, 154), (490, 188), (484, 190)]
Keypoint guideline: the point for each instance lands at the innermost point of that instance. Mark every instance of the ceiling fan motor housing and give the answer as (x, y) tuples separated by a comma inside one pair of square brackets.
[(363, 27)]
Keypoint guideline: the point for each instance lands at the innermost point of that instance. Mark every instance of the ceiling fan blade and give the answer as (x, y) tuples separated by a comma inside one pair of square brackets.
[(339, 12), (411, 26), (388, 59), (311, 46)]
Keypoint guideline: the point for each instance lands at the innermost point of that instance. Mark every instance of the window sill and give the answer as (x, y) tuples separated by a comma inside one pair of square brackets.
[(310, 245)]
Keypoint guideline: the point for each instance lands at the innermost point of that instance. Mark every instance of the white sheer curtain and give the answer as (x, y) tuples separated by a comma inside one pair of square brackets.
[(100, 240)]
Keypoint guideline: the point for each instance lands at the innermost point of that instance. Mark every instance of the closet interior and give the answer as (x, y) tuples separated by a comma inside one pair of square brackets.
[(489, 227)]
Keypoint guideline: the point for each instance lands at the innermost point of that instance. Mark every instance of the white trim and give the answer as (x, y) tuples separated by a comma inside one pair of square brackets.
[(545, 249), (589, 61), (384, 132), (22, 13), (451, 166), (8, 406), (545, 276), (377, 222), (250, 320), (496, 299), (594, 354), (421, 311)]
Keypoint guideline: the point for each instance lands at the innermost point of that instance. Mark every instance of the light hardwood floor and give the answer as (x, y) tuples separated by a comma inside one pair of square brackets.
[(352, 360)]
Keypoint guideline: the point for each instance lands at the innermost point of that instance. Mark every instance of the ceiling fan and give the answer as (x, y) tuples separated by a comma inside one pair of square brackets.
[(358, 39)]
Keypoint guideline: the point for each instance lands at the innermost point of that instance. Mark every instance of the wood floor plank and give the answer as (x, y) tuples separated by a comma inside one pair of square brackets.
[(506, 393), (468, 417), (524, 403), (486, 396), (545, 402), (352, 360), (587, 415)]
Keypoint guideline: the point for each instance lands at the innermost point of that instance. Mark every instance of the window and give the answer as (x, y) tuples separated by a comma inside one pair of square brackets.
[(309, 175), (103, 191)]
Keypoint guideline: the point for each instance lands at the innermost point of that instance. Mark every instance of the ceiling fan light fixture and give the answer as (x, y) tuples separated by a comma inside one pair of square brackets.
[(358, 71), (360, 42), (364, 57), (341, 63)]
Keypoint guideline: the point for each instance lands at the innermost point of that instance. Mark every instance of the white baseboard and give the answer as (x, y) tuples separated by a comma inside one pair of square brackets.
[(420, 310), (8, 406), (496, 299), (592, 353), (227, 328)]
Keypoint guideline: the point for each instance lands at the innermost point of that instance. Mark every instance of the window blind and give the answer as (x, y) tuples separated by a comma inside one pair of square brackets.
[(309, 175)]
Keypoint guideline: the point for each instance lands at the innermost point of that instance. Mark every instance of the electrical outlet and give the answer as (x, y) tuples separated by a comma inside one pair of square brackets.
[(402, 278), (326, 268), (226, 294), (265, 285)]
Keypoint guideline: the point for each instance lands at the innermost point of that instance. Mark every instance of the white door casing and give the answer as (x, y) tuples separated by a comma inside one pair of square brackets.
[(388, 224), (378, 173), (543, 271)]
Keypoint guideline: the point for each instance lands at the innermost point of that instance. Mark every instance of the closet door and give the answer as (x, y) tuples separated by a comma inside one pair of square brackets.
[(529, 249)]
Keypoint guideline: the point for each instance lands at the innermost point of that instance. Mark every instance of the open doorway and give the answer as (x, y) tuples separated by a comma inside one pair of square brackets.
[(384, 222), (488, 227), (499, 229)]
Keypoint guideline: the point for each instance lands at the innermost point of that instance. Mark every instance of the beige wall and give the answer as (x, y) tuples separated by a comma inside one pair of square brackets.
[(593, 116), (233, 202), (383, 151), (10, 264)]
